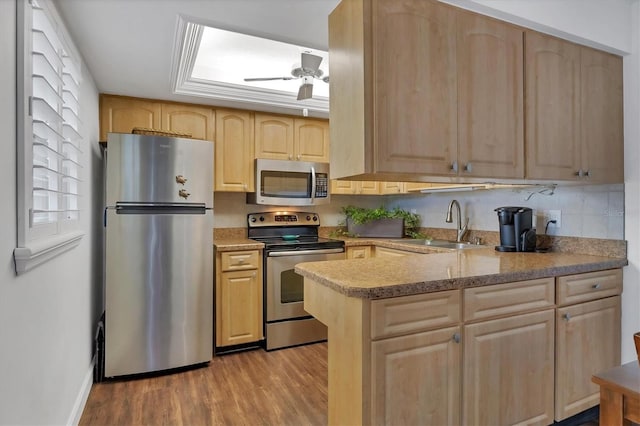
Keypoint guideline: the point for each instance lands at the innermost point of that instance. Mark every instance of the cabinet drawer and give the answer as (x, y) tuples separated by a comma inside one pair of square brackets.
[(409, 314), (589, 286), (363, 252), (503, 299), (389, 252), (240, 260)]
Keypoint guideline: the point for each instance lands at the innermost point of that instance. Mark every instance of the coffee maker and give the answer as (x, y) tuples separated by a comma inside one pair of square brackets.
[(516, 229)]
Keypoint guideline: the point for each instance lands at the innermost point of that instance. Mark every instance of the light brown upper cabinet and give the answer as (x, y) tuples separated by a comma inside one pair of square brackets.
[(121, 114), (490, 98), (420, 88), (355, 187), (393, 88), (197, 121), (234, 151), (573, 111), (602, 113), (287, 138), (446, 85)]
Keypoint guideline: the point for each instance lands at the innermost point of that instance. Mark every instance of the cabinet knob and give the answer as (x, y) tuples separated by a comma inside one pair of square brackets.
[(587, 173), (290, 157), (566, 316), (456, 337), (596, 286), (467, 167), (579, 173), (454, 166), (298, 157)]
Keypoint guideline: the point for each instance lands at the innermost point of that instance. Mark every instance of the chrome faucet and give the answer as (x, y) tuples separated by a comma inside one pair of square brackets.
[(461, 229)]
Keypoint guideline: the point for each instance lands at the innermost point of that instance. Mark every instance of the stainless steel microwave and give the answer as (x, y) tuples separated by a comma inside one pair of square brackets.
[(290, 183)]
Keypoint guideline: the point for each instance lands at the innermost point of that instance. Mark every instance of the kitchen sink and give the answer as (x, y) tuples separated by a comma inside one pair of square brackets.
[(440, 243)]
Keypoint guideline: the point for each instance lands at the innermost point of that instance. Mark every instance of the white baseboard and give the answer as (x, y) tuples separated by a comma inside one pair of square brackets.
[(83, 395)]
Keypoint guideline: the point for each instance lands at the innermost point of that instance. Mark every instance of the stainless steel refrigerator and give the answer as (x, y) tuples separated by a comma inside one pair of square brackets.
[(159, 253)]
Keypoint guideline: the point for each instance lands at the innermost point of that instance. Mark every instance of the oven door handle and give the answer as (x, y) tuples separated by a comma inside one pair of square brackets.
[(302, 252)]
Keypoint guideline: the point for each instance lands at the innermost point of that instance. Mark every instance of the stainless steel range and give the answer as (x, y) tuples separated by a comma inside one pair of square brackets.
[(290, 237)]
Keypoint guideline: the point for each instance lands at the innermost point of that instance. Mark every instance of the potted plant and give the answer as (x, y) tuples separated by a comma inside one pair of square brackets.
[(381, 222)]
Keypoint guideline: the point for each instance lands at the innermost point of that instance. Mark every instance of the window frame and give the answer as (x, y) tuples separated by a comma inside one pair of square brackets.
[(38, 243)]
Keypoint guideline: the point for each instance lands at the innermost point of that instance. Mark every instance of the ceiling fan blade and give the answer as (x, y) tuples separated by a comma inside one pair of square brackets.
[(310, 62), (268, 78), (305, 91)]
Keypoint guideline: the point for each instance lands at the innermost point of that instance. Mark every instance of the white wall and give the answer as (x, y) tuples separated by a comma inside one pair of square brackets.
[(595, 211), (46, 314)]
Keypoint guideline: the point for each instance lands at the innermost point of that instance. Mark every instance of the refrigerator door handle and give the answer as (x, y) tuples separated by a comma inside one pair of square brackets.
[(160, 208)]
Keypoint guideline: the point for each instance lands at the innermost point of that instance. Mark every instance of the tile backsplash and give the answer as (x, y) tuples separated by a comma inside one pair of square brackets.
[(595, 211)]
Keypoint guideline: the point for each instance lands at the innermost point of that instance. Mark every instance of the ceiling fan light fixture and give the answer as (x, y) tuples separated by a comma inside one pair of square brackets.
[(306, 88)]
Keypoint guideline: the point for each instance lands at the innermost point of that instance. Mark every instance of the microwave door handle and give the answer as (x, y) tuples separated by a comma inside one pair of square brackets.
[(313, 184)]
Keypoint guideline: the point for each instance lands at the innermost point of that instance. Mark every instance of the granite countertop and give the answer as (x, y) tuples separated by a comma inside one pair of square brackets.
[(233, 244), (383, 277)]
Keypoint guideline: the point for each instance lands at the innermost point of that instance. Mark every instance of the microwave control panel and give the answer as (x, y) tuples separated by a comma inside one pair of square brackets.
[(322, 185)]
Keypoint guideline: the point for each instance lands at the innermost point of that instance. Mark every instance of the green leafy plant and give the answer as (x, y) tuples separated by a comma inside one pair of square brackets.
[(360, 215)]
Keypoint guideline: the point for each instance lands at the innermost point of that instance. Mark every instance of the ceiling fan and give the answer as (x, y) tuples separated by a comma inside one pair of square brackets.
[(308, 70)]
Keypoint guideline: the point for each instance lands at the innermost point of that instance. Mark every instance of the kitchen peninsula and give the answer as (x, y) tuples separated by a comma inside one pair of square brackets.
[(397, 327)]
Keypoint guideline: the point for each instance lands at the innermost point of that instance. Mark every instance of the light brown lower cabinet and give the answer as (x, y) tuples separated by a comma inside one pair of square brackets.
[(416, 379), (508, 370), (238, 303), (518, 353), (389, 252), (587, 337), (359, 252)]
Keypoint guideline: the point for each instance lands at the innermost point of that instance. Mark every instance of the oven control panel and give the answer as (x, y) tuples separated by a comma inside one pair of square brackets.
[(283, 218)]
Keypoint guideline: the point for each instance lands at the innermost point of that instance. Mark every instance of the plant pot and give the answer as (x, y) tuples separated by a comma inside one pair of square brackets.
[(379, 228)]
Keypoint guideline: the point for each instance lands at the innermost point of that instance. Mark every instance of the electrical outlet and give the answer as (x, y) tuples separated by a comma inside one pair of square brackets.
[(544, 216), (555, 215)]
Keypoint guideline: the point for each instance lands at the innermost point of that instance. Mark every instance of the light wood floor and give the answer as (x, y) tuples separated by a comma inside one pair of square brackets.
[(283, 387)]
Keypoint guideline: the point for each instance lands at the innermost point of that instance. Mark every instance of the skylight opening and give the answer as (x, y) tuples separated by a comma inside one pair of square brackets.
[(230, 57)]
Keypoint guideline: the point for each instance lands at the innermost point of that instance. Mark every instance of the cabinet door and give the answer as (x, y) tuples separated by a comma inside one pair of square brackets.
[(602, 128), (508, 370), (311, 140), (121, 115), (587, 342), (552, 107), (343, 187), (414, 75), (416, 379), (234, 151), (490, 97), (274, 137), (239, 308), (368, 187), (197, 121), (392, 188)]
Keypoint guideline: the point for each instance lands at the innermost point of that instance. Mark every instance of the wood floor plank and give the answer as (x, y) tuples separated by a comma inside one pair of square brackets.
[(283, 387)]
